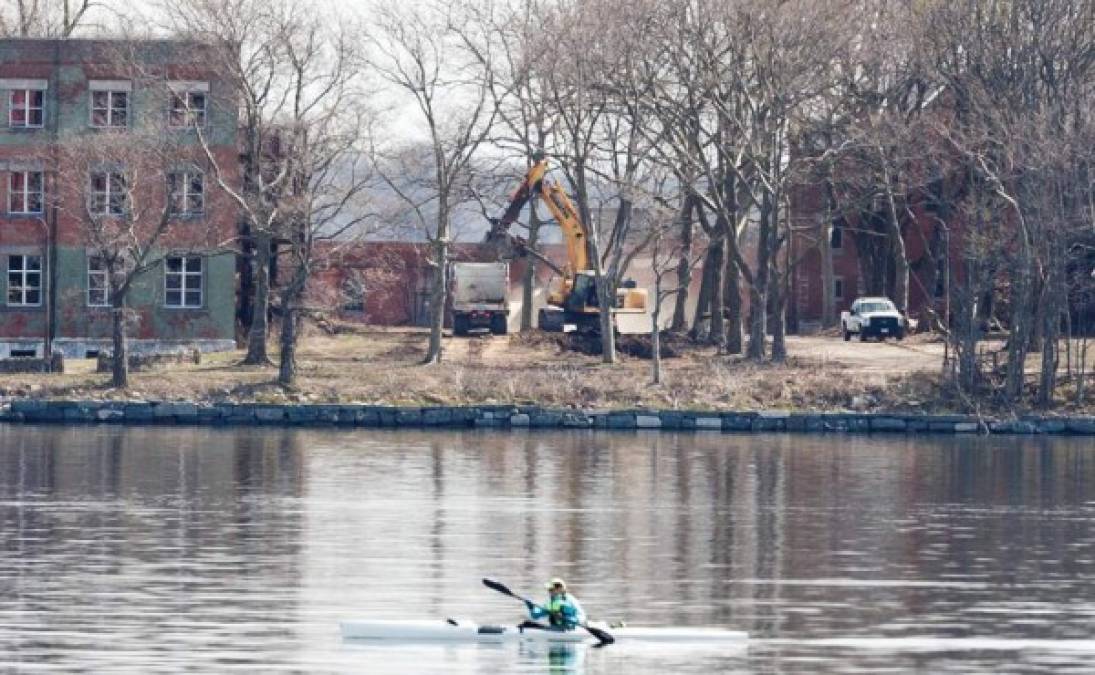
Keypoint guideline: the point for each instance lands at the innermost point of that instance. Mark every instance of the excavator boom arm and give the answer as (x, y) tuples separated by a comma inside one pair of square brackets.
[(562, 210)]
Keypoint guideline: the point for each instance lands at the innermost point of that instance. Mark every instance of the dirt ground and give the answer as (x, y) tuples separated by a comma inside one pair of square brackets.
[(383, 366)]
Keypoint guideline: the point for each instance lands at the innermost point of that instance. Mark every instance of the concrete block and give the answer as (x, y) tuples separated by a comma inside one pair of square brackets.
[(110, 414), (736, 422), (28, 406), (269, 415), (709, 423), (545, 418), (915, 425), (577, 420), (796, 422), (621, 421), (858, 423), (774, 414), (174, 410), (410, 417), (648, 422), (1013, 427), (1052, 426), (887, 424), (366, 416), (761, 423), (1081, 425), (519, 420), (437, 417), (671, 419), (239, 414), (137, 412), (966, 427)]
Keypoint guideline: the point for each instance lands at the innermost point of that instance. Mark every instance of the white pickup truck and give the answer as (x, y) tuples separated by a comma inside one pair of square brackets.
[(480, 296), (873, 317)]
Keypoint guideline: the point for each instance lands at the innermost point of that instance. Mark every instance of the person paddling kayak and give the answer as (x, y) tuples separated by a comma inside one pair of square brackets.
[(562, 610)]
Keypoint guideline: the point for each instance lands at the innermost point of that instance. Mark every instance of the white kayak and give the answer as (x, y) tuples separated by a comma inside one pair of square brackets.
[(464, 631)]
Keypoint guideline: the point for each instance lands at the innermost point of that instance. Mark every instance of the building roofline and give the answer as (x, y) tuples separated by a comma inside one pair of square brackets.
[(165, 41)]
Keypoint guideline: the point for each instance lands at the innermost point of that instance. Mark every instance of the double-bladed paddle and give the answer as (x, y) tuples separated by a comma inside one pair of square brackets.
[(604, 637)]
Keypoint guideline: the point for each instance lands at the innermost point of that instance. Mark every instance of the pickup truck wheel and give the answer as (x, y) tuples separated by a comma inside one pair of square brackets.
[(900, 335), (498, 324), (847, 335), (460, 325), (862, 335)]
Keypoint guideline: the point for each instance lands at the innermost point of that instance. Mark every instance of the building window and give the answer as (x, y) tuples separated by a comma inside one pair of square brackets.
[(836, 238), (838, 288), (109, 109), (25, 192), (24, 280), (108, 194), (98, 294), (186, 193), (25, 108), (188, 109), (183, 282), (940, 277)]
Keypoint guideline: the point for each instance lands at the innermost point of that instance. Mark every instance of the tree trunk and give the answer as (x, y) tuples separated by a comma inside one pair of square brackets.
[(528, 283), (778, 317), (605, 299), (655, 331), (1051, 328), (120, 366), (437, 301), (829, 312), (287, 364), (1022, 313), (257, 354), (758, 293), (703, 300), (897, 246), (735, 340), (717, 334), (684, 269), (828, 277)]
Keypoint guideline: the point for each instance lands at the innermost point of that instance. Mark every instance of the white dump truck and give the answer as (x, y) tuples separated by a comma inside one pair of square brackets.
[(480, 296), (873, 317)]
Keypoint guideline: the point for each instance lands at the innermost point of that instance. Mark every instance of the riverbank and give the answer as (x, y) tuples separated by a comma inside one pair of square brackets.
[(520, 417), (382, 368)]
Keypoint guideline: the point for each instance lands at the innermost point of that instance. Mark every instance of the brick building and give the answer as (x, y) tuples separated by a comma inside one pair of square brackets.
[(53, 294), (933, 253)]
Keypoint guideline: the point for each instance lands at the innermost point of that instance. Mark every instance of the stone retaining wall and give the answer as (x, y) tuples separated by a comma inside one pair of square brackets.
[(169, 412)]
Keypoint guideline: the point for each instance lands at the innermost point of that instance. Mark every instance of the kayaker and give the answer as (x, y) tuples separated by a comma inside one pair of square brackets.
[(562, 610)]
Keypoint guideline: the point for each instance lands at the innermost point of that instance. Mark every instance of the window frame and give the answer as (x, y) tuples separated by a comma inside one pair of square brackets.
[(184, 287), (26, 193), (186, 177), (27, 108), (110, 108), (187, 116), (108, 196), (23, 287), (838, 283), (836, 238), (102, 272)]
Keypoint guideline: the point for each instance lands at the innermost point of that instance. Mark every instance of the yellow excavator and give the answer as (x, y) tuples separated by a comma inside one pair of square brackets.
[(573, 299)]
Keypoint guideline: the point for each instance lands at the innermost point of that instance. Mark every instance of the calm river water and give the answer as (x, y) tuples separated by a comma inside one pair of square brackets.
[(215, 550)]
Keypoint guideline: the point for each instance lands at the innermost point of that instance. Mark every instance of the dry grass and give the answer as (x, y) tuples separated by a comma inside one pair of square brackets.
[(383, 366)]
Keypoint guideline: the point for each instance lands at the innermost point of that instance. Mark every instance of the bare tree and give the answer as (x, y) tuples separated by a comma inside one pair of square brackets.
[(668, 251), (134, 212), (49, 18), (426, 55)]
